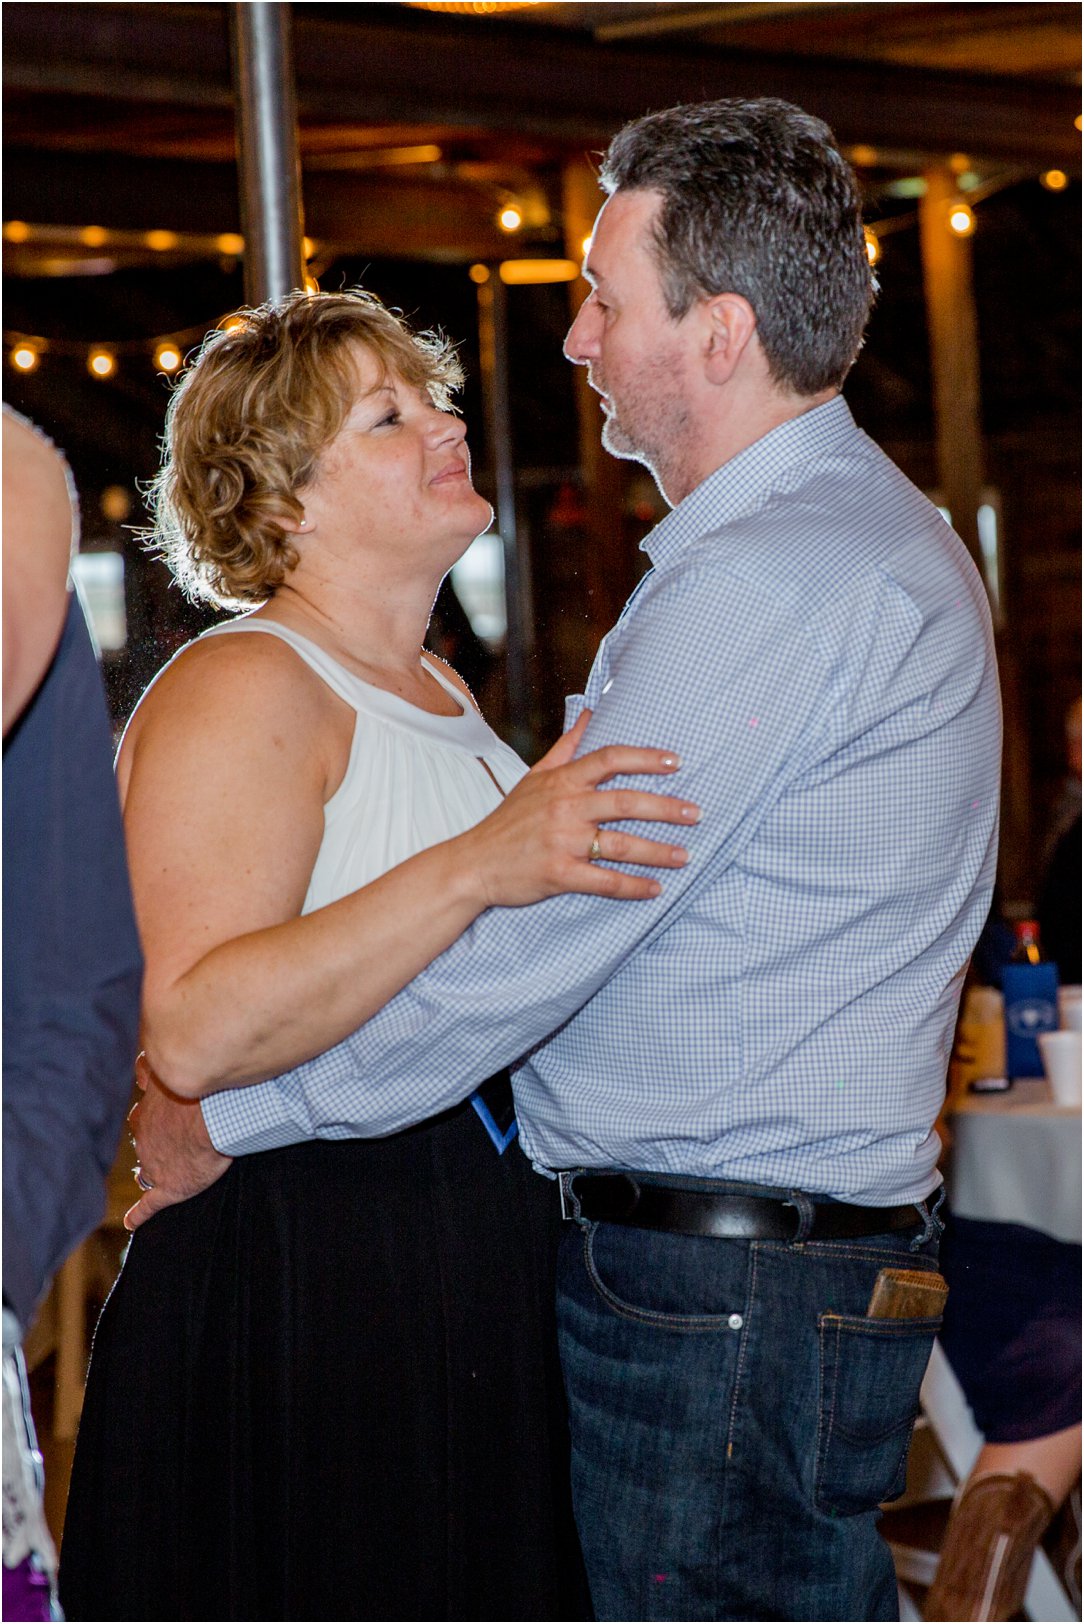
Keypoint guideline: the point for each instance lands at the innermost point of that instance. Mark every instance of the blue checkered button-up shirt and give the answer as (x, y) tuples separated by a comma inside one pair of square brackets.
[(814, 641)]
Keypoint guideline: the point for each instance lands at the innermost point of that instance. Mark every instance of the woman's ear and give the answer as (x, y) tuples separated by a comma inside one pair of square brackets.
[(294, 526)]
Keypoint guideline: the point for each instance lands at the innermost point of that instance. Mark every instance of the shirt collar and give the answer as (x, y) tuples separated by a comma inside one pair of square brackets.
[(742, 485)]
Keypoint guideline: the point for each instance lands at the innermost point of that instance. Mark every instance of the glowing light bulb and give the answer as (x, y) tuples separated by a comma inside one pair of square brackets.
[(161, 241), (864, 156), (510, 218), (93, 236), (16, 231), (873, 245), (961, 220), (115, 503), (101, 363), (585, 247), (25, 357), (167, 357), (532, 272), (1055, 180), (479, 274), (230, 242), (232, 324)]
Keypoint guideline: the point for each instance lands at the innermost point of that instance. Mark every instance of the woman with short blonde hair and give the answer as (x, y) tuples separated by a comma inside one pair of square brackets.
[(246, 425), (326, 1387)]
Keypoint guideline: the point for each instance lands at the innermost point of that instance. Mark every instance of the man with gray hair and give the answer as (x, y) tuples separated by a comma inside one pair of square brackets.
[(736, 1082)]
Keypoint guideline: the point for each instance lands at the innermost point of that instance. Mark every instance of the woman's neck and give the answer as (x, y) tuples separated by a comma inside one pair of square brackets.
[(378, 635)]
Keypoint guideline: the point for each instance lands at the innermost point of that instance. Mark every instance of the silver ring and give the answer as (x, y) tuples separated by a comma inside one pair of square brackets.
[(144, 1184), (596, 851)]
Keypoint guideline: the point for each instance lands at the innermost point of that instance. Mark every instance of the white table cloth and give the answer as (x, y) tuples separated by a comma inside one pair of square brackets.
[(1016, 1159)]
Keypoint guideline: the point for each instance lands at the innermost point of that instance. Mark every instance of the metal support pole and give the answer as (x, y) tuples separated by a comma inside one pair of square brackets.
[(269, 167), (493, 348)]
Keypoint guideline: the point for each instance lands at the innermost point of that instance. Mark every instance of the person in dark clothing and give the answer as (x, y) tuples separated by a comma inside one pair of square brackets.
[(1059, 906), (72, 965), (1059, 898)]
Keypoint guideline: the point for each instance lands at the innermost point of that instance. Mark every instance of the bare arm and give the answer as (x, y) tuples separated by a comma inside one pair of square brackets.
[(38, 530), (224, 775)]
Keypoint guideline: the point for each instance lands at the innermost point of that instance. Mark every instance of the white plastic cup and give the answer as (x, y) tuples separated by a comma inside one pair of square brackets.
[(1061, 1052), (1069, 1009)]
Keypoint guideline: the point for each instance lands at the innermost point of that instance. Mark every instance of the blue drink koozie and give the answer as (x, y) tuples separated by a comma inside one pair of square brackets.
[(1031, 1007)]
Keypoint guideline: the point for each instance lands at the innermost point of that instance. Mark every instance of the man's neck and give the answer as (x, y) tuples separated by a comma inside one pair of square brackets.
[(745, 420)]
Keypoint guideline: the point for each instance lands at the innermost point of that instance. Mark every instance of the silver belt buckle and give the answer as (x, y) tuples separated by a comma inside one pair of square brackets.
[(570, 1207)]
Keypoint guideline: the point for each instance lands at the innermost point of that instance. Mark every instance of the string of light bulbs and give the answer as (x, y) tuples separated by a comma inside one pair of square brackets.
[(102, 358), (959, 214), (166, 351)]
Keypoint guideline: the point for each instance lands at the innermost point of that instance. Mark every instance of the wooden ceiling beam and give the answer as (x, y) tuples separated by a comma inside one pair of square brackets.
[(420, 217), (477, 73)]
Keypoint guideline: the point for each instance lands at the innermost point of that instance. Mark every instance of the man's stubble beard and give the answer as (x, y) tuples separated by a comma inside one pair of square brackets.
[(620, 444), (659, 446)]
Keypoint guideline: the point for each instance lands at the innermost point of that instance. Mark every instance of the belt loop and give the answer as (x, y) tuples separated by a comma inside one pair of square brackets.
[(933, 1226), (570, 1206), (806, 1214)]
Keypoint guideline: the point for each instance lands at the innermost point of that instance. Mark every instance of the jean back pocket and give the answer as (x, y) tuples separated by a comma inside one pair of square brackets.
[(871, 1372)]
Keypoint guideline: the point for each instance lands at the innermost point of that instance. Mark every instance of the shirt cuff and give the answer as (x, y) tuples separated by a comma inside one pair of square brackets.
[(242, 1121)]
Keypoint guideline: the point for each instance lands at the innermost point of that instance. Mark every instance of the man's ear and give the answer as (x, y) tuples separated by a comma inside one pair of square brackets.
[(730, 326)]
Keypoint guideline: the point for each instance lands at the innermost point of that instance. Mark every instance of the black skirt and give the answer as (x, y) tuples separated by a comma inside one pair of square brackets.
[(327, 1388)]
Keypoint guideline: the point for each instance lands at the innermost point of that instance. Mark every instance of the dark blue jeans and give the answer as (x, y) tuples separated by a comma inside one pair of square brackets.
[(736, 1420)]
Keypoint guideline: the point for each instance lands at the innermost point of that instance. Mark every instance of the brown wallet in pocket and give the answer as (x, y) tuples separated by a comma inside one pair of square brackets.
[(907, 1294)]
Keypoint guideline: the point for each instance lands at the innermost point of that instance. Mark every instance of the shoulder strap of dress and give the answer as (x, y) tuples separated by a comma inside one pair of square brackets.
[(448, 685), (328, 669)]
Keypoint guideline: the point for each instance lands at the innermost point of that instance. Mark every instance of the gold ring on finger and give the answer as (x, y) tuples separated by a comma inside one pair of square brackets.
[(596, 851)]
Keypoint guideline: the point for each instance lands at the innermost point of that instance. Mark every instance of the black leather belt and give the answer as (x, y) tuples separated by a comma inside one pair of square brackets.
[(618, 1198)]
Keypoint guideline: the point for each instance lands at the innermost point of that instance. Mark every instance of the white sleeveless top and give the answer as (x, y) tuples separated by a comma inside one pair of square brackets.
[(412, 780)]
